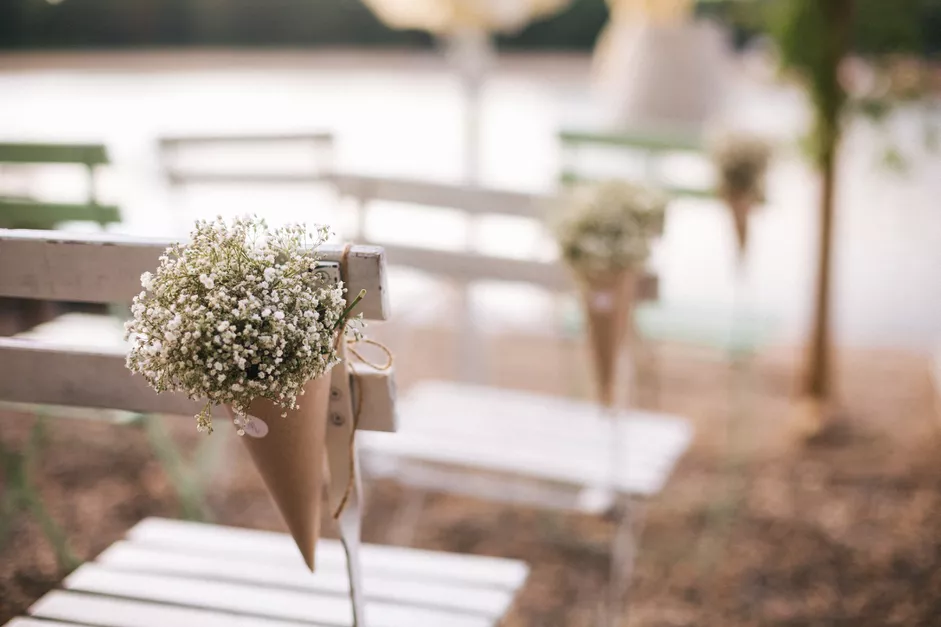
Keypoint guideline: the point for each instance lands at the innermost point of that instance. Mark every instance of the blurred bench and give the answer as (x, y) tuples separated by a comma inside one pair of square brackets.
[(27, 213), (173, 573), (544, 451), (21, 212), (525, 440), (467, 264), (651, 147), (176, 574), (173, 156)]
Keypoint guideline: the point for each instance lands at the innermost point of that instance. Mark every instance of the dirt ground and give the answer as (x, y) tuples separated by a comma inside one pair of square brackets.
[(754, 528)]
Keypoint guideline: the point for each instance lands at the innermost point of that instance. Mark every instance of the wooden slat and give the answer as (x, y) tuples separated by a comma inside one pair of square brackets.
[(278, 548), (638, 140), (106, 268), (328, 579), (246, 138), (37, 214), (572, 177), (98, 611), (469, 267), (471, 199), (89, 154), (35, 372), (178, 175), (260, 600), (565, 440), (32, 622)]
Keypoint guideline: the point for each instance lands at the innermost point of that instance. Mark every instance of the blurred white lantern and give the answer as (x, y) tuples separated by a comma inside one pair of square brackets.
[(467, 26), (656, 67)]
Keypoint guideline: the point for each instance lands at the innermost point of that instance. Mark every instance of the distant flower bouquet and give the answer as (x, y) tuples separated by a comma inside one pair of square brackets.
[(239, 313), (604, 234), (607, 228), (742, 161)]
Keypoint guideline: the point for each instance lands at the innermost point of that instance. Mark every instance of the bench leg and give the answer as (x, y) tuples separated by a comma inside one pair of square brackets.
[(623, 557)]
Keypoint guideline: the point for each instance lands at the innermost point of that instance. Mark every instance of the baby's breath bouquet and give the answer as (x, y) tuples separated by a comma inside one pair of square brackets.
[(604, 233), (606, 228), (245, 317), (742, 161), (239, 312)]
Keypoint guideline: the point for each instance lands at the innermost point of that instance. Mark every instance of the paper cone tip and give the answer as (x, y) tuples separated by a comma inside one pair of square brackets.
[(288, 453)]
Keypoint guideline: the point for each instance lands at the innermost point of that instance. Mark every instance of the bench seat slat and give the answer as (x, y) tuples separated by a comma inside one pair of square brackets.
[(277, 548), (257, 600), (536, 436), (329, 578), (103, 611)]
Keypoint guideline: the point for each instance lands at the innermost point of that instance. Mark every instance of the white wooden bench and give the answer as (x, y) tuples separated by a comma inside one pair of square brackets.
[(468, 264), (182, 162), (540, 450), (181, 574), (173, 573)]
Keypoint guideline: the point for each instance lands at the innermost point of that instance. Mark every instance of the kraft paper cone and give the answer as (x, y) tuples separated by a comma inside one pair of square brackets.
[(608, 304), (289, 455), (741, 208)]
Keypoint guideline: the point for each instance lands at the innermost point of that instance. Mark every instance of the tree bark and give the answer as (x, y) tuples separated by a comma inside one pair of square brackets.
[(818, 375)]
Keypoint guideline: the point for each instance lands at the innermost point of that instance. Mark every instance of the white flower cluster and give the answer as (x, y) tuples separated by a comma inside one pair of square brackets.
[(607, 227), (238, 313), (742, 161)]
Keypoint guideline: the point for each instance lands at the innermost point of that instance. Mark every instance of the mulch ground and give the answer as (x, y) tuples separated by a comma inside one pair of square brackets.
[(754, 528)]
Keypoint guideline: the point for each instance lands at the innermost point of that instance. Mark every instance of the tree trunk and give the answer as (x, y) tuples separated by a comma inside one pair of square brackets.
[(818, 375), (838, 15)]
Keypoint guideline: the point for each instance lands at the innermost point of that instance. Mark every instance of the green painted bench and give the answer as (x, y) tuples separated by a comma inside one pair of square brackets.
[(16, 212), (651, 145)]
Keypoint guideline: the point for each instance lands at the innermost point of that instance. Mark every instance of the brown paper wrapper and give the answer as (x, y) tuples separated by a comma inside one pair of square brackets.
[(740, 206), (289, 455), (609, 301)]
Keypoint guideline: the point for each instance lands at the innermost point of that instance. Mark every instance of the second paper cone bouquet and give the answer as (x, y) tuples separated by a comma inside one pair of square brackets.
[(604, 233), (742, 163), (608, 303), (244, 317)]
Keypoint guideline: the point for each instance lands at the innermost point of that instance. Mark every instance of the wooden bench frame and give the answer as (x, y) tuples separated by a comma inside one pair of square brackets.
[(107, 268), (652, 146), (463, 267), (170, 146), (28, 212)]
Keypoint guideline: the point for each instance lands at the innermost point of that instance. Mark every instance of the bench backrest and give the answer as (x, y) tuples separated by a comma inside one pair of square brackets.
[(36, 214), (652, 146), (173, 149), (106, 269), (90, 155), (467, 265)]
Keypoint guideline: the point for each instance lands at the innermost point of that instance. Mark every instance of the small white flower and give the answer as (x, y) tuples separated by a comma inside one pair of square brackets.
[(279, 315)]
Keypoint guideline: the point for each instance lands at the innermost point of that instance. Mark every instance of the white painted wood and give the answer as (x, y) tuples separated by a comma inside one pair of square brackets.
[(171, 148), (535, 436), (54, 373), (106, 268), (128, 556), (259, 600), (179, 574), (345, 490), (32, 622), (469, 198), (111, 612), (278, 549)]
